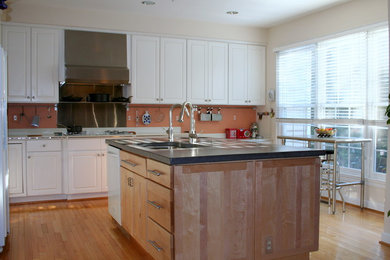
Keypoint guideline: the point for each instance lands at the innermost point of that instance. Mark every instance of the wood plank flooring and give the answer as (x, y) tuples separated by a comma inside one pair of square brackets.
[(85, 230)]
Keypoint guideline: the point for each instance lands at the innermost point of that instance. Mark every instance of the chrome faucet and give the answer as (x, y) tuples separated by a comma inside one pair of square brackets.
[(170, 129), (192, 134)]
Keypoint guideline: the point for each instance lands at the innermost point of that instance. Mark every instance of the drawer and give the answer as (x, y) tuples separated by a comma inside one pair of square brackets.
[(160, 173), (159, 204), (43, 145), (159, 243), (84, 144), (133, 163)]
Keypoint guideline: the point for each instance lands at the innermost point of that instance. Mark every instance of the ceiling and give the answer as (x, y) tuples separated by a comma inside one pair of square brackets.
[(259, 13)]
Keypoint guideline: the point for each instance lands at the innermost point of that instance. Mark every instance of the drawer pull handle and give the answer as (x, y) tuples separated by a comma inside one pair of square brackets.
[(154, 204), (129, 163), (155, 245), (154, 172)]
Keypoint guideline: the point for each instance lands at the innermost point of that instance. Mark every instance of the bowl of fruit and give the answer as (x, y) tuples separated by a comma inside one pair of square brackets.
[(325, 132)]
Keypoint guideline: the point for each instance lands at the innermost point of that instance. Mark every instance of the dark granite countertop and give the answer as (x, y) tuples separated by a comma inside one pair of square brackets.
[(212, 150)]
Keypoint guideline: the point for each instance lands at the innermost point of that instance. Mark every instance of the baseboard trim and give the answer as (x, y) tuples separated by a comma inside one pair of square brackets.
[(56, 198)]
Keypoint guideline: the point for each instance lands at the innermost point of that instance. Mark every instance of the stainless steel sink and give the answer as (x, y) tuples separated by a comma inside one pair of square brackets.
[(169, 145)]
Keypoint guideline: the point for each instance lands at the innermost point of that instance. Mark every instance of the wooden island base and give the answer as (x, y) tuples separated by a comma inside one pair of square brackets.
[(260, 209)]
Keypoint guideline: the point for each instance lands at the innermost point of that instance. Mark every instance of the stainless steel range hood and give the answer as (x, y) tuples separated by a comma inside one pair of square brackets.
[(95, 58)]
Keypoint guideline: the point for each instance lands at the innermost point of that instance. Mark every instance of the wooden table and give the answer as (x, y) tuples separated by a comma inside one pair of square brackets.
[(335, 141)]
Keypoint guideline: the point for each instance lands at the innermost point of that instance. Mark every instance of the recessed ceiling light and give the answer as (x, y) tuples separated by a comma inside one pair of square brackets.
[(148, 2), (232, 12)]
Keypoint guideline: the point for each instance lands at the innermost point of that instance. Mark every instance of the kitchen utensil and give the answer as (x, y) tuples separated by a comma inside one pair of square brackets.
[(146, 118), (71, 98), (231, 133), (75, 129), (99, 97), (120, 99), (48, 112), (35, 120), (205, 117)]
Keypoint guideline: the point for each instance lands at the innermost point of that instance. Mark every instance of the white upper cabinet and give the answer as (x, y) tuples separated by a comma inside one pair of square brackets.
[(158, 70), (218, 73), (33, 66), (238, 74), (44, 65), (246, 74), (145, 60), (197, 78), (173, 70), (16, 41), (256, 75), (207, 72)]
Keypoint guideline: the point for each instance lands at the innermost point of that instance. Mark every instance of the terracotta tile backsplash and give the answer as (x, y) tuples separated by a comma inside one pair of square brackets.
[(233, 117)]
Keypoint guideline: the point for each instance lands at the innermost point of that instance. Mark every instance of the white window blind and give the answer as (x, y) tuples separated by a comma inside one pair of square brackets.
[(296, 81), (341, 78)]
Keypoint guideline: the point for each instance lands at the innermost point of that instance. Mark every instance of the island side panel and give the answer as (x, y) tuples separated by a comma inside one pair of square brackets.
[(286, 207), (214, 211)]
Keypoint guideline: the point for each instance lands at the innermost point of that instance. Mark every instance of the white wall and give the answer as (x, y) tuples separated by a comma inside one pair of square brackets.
[(348, 16), (100, 19)]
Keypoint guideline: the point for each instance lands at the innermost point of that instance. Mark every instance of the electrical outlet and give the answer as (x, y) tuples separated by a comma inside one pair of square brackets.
[(15, 117), (234, 117), (129, 118), (268, 245), (177, 118)]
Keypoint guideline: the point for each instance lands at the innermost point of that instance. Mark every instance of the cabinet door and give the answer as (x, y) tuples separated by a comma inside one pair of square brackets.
[(214, 211), (238, 74), (126, 200), (44, 173), (85, 174), (286, 207), (145, 69), (173, 71), (218, 73), (114, 184), (139, 209), (197, 81), (45, 67), (256, 75), (15, 165), (16, 41)]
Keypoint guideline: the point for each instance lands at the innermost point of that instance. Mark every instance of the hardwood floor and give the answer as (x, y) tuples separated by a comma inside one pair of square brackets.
[(84, 230)]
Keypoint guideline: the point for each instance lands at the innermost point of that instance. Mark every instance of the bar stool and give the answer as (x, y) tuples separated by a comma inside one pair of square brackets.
[(326, 172)]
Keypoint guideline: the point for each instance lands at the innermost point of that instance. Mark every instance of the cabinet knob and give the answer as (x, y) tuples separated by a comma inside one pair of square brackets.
[(28, 157), (161, 99), (33, 97), (249, 101), (205, 100), (98, 154), (157, 99), (44, 145), (102, 154), (28, 97)]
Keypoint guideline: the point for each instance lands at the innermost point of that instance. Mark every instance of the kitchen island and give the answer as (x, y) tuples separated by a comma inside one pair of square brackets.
[(220, 199)]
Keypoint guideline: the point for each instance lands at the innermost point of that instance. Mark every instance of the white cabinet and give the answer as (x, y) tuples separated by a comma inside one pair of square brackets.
[(256, 75), (158, 70), (87, 165), (173, 71), (145, 56), (44, 65), (85, 172), (44, 167), (246, 74), (33, 66), (16, 41), (44, 175), (207, 72), (16, 168)]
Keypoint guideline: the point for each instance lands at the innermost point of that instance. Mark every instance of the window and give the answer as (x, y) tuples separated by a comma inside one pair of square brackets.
[(341, 82)]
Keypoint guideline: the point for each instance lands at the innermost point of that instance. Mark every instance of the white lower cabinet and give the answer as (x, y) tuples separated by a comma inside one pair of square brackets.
[(87, 166), (44, 173), (16, 169), (85, 172)]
